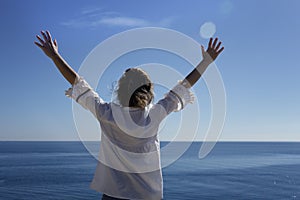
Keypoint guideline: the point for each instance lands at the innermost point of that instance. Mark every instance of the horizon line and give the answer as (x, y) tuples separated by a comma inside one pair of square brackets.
[(270, 141)]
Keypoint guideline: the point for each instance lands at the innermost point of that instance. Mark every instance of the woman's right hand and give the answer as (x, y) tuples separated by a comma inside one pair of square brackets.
[(49, 46)]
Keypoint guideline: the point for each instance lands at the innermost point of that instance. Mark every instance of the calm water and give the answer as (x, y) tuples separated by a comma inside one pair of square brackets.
[(63, 170)]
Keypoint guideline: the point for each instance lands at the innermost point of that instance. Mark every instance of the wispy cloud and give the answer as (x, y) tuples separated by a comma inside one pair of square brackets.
[(94, 17), (89, 10), (123, 21)]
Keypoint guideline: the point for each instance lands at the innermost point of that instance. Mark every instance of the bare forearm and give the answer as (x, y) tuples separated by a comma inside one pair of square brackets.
[(50, 48), (196, 74), (64, 68), (213, 50)]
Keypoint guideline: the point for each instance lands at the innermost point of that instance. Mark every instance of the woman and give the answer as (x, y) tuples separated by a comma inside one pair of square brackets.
[(129, 158)]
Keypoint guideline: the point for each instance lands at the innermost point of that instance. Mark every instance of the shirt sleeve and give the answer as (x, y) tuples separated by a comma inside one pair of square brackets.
[(174, 101), (84, 95), (183, 95)]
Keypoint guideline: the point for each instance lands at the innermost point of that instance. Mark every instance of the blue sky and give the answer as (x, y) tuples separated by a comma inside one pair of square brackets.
[(259, 66)]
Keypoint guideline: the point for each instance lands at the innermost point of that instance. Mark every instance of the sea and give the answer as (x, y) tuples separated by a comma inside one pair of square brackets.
[(232, 170)]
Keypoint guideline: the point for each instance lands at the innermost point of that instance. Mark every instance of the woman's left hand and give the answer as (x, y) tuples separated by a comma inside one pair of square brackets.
[(213, 50)]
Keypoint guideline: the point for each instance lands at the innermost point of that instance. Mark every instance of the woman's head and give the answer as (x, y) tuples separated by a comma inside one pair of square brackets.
[(135, 88)]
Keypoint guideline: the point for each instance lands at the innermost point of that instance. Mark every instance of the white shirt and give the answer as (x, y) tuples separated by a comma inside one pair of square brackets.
[(129, 159)]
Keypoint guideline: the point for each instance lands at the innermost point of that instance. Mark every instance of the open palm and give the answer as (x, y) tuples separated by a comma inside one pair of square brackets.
[(49, 46), (213, 50)]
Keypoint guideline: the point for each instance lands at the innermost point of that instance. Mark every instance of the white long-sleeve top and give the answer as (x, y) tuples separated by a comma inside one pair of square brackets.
[(129, 159)]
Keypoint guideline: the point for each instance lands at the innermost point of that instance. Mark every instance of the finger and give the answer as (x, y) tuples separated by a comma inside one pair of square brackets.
[(40, 39), (49, 36), (210, 43), (202, 49), (218, 52), (55, 42), (215, 42), (218, 46), (38, 44), (44, 36)]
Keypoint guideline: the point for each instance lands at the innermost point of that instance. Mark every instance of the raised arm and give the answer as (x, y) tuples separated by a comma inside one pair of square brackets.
[(212, 52), (50, 48)]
